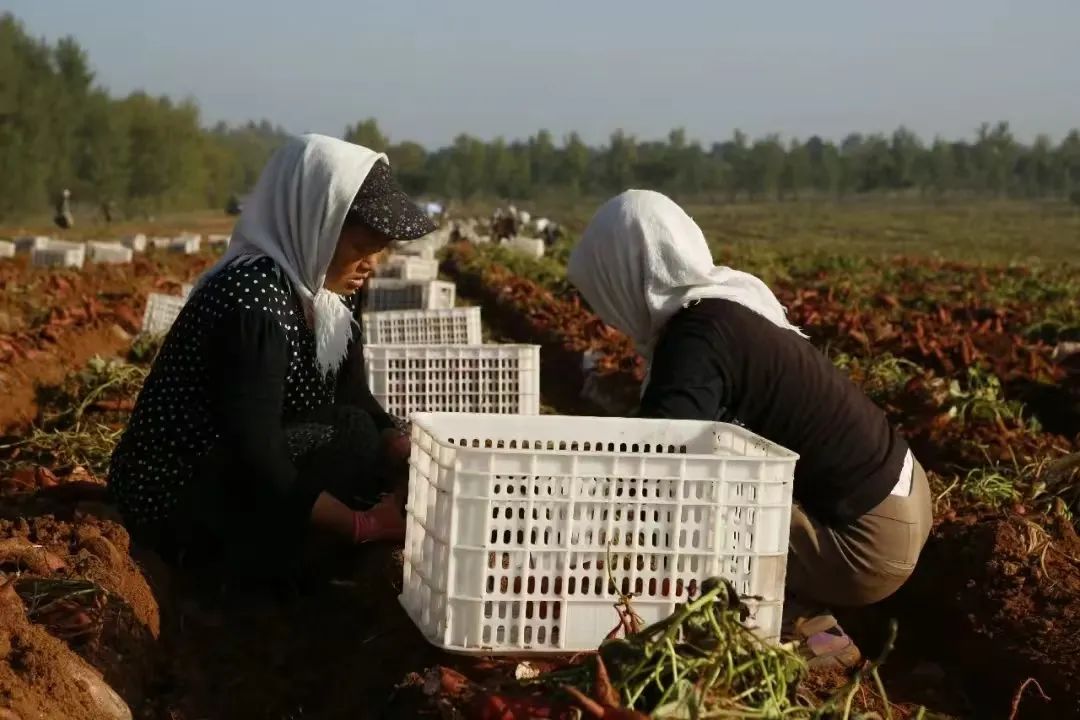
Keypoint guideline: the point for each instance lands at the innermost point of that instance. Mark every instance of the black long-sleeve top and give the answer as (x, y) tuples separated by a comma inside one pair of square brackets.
[(718, 360), (236, 367)]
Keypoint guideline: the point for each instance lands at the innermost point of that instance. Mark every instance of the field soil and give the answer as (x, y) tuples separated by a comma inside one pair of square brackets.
[(994, 599), (94, 627)]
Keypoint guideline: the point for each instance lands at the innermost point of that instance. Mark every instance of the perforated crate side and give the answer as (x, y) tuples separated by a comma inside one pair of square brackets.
[(392, 294), (161, 312), (501, 379), (455, 326), (515, 525)]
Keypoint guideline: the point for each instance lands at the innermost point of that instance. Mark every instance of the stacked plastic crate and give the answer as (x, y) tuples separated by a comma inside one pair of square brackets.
[(423, 354)]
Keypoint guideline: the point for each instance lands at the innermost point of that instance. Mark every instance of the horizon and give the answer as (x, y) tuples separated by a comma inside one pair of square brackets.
[(821, 73)]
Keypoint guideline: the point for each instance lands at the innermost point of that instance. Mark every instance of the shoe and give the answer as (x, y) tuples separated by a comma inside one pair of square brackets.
[(824, 645)]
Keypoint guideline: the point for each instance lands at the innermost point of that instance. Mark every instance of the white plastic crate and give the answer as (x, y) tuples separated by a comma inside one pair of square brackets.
[(108, 252), (533, 247), (161, 312), (7, 249), (460, 326), (390, 294), (160, 243), (30, 243), (415, 248), (515, 525), (59, 254), (454, 378), (186, 288), (217, 241), (137, 243), (185, 244), (424, 247), (408, 267)]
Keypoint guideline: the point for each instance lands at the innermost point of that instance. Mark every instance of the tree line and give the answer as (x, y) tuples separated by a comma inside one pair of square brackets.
[(994, 164), (140, 153), (58, 129)]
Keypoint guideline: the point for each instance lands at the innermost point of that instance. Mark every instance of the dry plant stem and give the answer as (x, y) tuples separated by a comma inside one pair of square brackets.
[(1020, 696)]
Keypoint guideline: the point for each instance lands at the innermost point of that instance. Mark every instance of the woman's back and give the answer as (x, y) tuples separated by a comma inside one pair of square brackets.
[(719, 360)]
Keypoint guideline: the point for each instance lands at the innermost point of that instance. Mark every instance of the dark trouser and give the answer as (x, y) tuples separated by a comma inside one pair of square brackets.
[(258, 532)]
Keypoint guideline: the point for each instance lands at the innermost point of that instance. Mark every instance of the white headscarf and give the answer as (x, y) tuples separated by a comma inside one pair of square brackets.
[(642, 259), (294, 216)]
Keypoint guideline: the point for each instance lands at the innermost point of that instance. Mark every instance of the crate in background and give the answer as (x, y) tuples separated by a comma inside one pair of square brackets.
[(453, 326), (409, 267), (59, 254), (161, 312), (502, 379), (108, 252)]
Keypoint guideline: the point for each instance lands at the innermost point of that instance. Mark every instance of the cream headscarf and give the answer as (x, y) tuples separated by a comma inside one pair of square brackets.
[(294, 216), (642, 259)]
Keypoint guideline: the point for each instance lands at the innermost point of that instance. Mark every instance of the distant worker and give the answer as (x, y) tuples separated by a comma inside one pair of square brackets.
[(233, 206), (551, 233), (719, 347), (504, 225), (64, 219)]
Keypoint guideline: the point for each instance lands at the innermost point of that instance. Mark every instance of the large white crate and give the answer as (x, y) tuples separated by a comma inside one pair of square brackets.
[(30, 243), (454, 378), (137, 243), (390, 294), (218, 241), (161, 312), (160, 243), (59, 254), (533, 247), (409, 267), (7, 249), (454, 326), (108, 252), (515, 525)]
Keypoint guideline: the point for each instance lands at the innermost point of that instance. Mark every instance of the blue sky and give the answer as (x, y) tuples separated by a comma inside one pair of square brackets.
[(428, 70)]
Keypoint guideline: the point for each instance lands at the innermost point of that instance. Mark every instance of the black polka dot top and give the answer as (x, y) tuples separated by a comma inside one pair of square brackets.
[(235, 368)]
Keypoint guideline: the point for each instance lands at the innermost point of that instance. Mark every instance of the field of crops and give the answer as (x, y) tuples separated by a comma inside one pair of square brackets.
[(965, 356)]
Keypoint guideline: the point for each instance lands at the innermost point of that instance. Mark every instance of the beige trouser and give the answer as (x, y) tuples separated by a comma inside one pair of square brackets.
[(864, 561)]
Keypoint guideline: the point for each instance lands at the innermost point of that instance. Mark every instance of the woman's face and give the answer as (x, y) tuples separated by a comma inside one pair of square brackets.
[(358, 251)]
